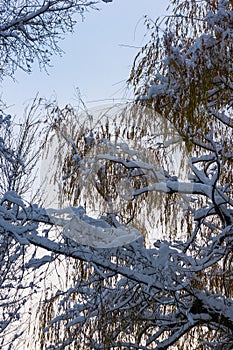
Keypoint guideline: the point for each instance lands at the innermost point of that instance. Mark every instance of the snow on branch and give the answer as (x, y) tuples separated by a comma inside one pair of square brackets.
[(30, 31), (97, 233)]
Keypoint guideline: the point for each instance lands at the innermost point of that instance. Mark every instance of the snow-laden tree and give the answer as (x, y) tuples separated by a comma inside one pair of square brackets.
[(177, 292), (31, 29), (19, 153)]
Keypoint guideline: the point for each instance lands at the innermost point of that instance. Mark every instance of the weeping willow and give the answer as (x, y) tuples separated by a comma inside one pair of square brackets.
[(183, 85), (104, 184)]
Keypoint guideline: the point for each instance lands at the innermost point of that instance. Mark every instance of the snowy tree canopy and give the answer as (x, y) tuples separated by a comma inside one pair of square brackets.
[(176, 292), (30, 30)]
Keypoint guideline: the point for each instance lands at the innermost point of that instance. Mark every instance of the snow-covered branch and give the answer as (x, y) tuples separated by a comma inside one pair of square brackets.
[(30, 31)]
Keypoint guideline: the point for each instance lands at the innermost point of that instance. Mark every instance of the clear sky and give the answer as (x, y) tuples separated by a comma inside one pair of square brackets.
[(97, 58)]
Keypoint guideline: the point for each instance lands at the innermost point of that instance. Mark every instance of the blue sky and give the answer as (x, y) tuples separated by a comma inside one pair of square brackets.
[(97, 58)]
